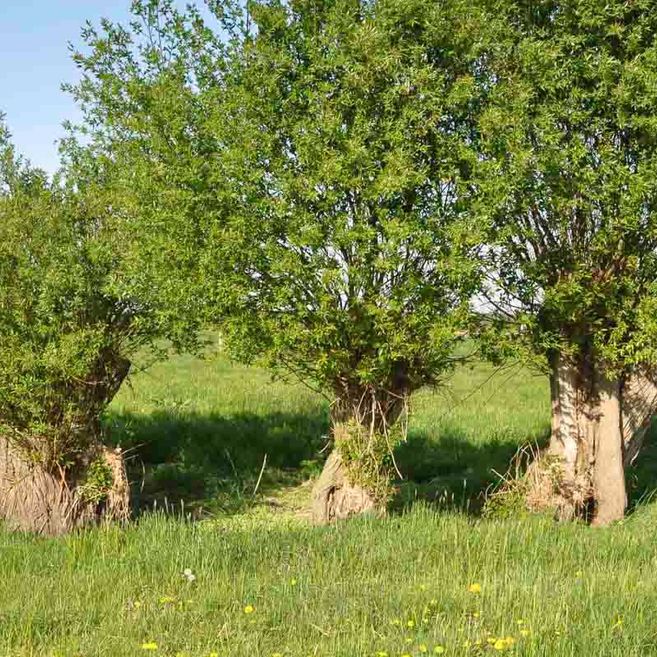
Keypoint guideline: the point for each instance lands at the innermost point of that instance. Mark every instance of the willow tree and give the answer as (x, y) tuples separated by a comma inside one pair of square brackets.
[(570, 146), (334, 151), (68, 330)]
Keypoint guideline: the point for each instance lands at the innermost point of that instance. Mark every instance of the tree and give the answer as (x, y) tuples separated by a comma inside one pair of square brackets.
[(337, 154), (569, 145), (67, 333)]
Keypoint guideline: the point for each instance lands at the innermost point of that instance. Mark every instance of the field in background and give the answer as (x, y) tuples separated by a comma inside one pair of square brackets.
[(432, 578), (200, 430)]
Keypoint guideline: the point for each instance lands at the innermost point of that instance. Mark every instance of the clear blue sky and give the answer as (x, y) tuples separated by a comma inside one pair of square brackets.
[(34, 61)]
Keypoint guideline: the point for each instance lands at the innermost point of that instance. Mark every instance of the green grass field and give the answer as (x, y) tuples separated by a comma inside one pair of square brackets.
[(434, 577)]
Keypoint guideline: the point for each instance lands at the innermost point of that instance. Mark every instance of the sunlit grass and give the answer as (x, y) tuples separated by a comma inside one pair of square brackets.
[(255, 579)]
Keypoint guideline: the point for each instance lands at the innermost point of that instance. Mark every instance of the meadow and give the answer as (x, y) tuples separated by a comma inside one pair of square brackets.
[(222, 561)]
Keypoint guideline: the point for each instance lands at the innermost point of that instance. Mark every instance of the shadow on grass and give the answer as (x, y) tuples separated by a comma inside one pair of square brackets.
[(452, 471), (197, 464), (641, 478), (179, 460)]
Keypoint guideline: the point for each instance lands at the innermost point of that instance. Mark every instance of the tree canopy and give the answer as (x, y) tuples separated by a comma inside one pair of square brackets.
[(569, 136), (335, 184), (68, 330), (326, 152), (568, 140)]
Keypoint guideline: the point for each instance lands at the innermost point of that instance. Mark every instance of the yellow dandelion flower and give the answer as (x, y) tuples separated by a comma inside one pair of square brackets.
[(213, 654), (524, 631), (423, 648), (149, 645), (520, 621), (475, 587), (293, 582), (167, 600), (396, 621), (277, 654), (249, 609), (410, 623), (500, 644), (439, 650), (406, 655), (475, 614), (423, 587), (409, 640), (382, 653)]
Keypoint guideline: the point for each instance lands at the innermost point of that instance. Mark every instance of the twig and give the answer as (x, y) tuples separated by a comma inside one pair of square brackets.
[(262, 469)]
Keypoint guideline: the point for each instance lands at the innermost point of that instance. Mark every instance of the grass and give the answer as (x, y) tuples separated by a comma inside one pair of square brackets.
[(200, 430)]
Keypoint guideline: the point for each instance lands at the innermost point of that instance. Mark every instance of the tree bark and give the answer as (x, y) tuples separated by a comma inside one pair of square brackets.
[(581, 474), (638, 407), (37, 495), (608, 479), (33, 499), (366, 417), (335, 497)]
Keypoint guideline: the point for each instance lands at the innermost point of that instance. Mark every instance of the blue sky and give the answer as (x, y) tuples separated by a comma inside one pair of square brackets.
[(34, 61)]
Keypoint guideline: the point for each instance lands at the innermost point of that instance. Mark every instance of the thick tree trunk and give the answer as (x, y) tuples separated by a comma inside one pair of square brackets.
[(638, 407), (581, 474), (608, 479), (360, 428), (335, 497), (40, 497), (52, 503)]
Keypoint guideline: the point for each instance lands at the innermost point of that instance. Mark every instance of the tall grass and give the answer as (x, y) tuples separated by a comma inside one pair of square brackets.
[(432, 576)]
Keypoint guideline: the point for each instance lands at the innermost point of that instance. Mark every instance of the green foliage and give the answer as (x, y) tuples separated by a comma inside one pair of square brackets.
[(509, 502), (353, 237), (367, 457), (66, 331), (311, 161), (143, 125), (568, 140), (98, 481)]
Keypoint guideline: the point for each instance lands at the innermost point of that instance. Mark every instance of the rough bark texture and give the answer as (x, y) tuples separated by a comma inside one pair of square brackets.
[(116, 505), (598, 425), (558, 478), (638, 407), (50, 503), (47, 499), (608, 479), (334, 497), (371, 412)]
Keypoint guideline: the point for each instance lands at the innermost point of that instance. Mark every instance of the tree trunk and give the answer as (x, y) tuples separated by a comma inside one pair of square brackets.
[(335, 497), (638, 407), (581, 474), (37, 495), (355, 479), (52, 503), (609, 495)]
